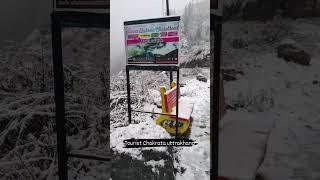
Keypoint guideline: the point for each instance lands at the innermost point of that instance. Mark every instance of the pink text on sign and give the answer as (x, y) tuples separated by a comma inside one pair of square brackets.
[(174, 33)]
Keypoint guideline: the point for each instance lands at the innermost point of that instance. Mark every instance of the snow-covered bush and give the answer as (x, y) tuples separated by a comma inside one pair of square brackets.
[(275, 30), (259, 101), (143, 90), (27, 109), (255, 35)]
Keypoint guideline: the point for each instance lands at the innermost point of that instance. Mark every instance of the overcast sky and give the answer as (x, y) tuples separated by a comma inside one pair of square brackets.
[(19, 17), (124, 10)]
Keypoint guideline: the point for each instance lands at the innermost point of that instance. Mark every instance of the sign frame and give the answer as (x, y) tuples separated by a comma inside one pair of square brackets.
[(214, 4), (82, 4), (60, 20), (149, 21)]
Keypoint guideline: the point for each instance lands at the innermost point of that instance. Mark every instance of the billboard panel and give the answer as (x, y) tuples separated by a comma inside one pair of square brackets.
[(83, 4), (152, 41), (214, 4)]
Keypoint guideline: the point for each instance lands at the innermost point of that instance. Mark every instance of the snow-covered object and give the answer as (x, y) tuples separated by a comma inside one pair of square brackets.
[(200, 77), (185, 108), (290, 51)]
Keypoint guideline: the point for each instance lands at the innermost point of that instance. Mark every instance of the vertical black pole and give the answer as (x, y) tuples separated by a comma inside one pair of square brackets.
[(314, 8), (59, 96), (128, 94), (177, 103), (167, 8), (216, 88), (168, 14)]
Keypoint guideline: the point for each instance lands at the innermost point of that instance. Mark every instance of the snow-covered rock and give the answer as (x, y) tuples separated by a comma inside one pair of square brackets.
[(291, 52), (200, 77)]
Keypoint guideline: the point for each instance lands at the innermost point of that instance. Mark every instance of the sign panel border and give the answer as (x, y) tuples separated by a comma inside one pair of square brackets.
[(149, 21)]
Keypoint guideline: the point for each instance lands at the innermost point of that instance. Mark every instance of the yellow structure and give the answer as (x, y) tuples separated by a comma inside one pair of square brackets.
[(168, 121)]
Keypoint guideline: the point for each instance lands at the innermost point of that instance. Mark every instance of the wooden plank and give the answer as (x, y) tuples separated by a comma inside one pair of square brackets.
[(170, 99)]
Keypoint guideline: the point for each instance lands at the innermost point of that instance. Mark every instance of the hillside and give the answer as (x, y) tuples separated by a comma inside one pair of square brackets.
[(270, 130), (27, 109)]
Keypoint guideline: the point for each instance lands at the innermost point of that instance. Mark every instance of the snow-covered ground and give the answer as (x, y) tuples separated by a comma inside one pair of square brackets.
[(196, 159), (271, 128), (191, 162), (276, 132)]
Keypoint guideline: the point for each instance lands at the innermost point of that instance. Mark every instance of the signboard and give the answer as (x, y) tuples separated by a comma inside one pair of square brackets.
[(152, 41), (83, 4), (214, 4)]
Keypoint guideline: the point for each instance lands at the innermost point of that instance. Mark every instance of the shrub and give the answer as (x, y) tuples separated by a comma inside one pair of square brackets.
[(260, 101)]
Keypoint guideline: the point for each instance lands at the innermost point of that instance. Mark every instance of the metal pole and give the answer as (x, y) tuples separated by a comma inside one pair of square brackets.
[(177, 103), (128, 94), (168, 10), (59, 96), (168, 14), (314, 8), (215, 95)]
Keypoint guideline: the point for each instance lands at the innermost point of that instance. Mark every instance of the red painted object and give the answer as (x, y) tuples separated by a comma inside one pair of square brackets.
[(170, 99), (173, 33)]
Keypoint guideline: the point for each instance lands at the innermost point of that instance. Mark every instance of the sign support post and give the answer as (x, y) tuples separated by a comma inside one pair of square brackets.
[(152, 44), (59, 97), (168, 14), (171, 79), (59, 20), (177, 102), (128, 93), (216, 94), (215, 58)]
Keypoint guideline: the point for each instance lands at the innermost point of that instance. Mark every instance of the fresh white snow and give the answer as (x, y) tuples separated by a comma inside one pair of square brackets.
[(194, 160), (144, 130), (155, 164)]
